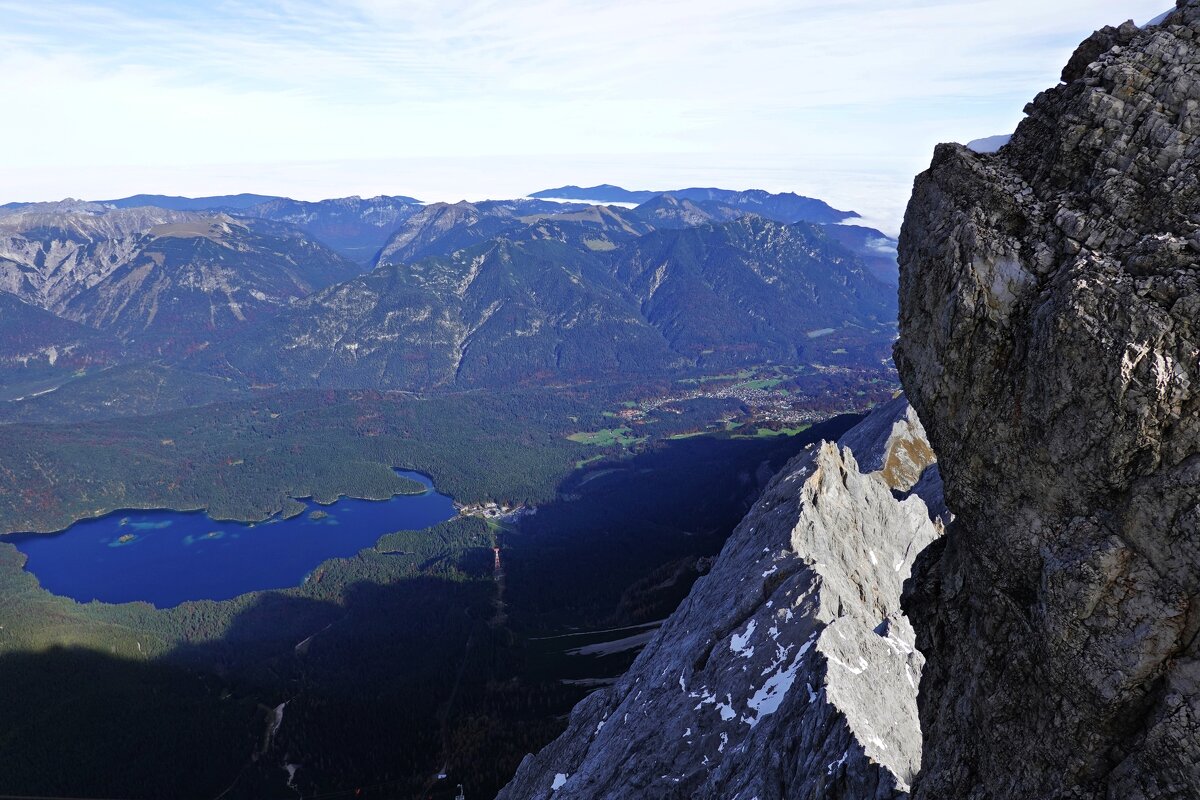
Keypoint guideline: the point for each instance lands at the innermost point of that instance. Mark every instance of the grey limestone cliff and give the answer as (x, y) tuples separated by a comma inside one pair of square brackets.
[(789, 672), (1050, 299)]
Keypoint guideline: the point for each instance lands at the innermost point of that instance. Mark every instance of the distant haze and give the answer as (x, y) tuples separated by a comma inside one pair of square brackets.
[(451, 100)]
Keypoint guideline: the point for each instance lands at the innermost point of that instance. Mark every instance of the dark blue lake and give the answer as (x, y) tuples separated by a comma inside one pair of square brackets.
[(167, 557)]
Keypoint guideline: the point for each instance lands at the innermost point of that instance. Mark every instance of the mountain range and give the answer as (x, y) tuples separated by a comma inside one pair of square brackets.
[(537, 306), (443, 228), (161, 281), (352, 226), (785, 207), (273, 291)]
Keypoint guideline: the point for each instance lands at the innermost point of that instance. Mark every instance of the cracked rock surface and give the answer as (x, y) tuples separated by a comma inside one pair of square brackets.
[(789, 672), (1049, 308)]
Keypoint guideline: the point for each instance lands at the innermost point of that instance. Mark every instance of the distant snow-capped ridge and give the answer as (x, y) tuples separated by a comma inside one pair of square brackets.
[(989, 144), (1159, 19)]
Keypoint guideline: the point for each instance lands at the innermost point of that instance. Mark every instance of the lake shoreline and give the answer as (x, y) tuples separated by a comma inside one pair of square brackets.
[(425, 480), (166, 557)]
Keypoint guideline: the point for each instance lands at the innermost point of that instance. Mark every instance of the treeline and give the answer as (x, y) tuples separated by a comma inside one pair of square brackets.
[(242, 460)]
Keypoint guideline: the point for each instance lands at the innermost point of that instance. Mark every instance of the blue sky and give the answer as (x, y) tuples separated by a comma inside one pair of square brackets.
[(449, 100)]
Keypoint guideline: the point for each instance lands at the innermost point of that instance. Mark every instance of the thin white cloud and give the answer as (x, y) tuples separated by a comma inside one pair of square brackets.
[(173, 89)]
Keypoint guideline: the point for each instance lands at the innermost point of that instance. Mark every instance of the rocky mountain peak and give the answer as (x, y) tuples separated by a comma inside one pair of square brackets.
[(790, 669), (1049, 298)]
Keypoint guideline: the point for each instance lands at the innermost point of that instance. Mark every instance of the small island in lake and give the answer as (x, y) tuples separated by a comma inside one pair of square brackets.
[(318, 514)]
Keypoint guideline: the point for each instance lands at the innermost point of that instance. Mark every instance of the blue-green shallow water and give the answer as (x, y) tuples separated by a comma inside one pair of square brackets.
[(167, 557)]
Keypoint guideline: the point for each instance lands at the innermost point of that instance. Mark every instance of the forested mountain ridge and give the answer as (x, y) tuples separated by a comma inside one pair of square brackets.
[(669, 211), (750, 289), (227, 202), (442, 229), (603, 193), (554, 305), (498, 312), (33, 341)]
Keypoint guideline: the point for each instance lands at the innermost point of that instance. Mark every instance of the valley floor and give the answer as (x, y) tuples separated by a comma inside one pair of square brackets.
[(395, 664)]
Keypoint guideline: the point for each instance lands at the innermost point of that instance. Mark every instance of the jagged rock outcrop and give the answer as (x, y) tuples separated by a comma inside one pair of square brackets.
[(1049, 307), (789, 672)]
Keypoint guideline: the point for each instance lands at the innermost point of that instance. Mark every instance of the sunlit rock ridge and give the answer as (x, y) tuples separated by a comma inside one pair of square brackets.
[(790, 670), (1049, 308)]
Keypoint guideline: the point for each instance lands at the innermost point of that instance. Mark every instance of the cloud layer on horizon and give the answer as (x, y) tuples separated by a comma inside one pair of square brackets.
[(217, 97)]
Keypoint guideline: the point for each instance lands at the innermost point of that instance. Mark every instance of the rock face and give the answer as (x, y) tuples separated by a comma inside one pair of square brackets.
[(1049, 307), (789, 672)]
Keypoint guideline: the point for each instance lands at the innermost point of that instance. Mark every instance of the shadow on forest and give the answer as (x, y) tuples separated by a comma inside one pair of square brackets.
[(360, 695), (620, 545), (388, 662)]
